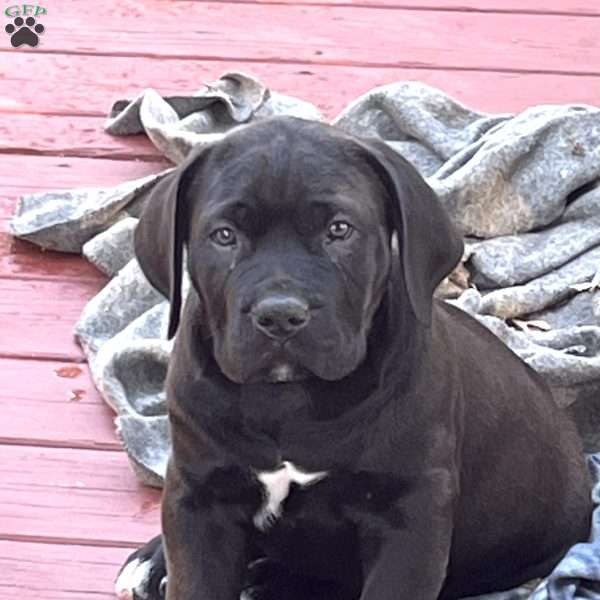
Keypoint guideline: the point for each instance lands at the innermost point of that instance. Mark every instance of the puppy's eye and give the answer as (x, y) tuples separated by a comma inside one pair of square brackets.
[(224, 236), (339, 230)]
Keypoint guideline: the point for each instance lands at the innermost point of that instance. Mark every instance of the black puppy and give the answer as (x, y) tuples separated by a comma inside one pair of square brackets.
[(327, 413)]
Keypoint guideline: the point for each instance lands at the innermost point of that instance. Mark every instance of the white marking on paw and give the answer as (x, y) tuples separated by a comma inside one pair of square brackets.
[(162, 588), (277, 487), (132, 579)]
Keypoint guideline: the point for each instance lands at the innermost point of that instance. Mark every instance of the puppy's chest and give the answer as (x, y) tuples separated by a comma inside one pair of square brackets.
[(291, 495), (277, 485)]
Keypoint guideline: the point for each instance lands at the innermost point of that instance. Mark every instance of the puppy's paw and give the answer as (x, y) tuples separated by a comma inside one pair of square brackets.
[(144, 574)]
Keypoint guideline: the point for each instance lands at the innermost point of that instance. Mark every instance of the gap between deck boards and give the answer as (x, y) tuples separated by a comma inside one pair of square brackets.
[(462, 7), (63, 541), (400, 64)]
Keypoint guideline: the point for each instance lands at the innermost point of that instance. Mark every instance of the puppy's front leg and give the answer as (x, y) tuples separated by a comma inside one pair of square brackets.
[(410, 562), (205, 539)]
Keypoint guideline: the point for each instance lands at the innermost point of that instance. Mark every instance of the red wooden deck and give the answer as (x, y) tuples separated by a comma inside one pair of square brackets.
[(70, 508)]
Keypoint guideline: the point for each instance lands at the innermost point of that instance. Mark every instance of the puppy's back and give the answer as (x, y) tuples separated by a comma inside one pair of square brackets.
[(525, 488)]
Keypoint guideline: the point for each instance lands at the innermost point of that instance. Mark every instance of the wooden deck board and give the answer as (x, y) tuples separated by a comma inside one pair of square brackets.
[(70, 507), (37, 317), (58, 572), (328, 35), (51, 403), (89, 86), (23, 260), (69, 135), (70, 494), (66, 172)]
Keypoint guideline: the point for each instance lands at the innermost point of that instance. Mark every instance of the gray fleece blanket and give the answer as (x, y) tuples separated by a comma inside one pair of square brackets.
[(523, 189)]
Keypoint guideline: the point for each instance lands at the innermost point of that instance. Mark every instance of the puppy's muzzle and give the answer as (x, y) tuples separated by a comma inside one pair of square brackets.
[(280, 316)]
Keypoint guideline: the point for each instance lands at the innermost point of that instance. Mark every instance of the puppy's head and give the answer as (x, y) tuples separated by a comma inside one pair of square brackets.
[(290, 228)]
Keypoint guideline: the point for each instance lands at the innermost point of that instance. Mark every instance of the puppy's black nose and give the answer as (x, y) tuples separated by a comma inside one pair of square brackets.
[(280, 317)]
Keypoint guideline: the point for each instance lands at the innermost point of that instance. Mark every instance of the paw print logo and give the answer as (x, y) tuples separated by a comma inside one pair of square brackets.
[(24, 32)]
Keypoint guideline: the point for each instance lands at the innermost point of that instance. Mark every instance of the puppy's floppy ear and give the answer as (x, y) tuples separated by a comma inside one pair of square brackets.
[(430, 245), (162, 233)]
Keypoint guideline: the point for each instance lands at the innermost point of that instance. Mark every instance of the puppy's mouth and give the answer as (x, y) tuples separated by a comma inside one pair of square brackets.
[(294, 360), (280, 363)]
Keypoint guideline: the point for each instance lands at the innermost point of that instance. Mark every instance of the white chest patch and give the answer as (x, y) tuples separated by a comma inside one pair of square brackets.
[(277, 487)]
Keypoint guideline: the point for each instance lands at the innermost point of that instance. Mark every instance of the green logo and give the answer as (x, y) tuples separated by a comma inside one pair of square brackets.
[(24, 30)]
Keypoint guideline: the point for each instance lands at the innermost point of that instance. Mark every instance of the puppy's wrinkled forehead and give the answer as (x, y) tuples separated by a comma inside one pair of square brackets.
[(276, 169)]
